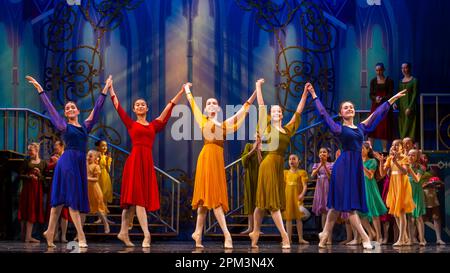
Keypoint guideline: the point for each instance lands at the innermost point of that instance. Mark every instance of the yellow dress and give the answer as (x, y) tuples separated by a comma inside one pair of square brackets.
[(105, 180), (270, 193), (210, 186), (96, 203), (294, 185), (399, 198)]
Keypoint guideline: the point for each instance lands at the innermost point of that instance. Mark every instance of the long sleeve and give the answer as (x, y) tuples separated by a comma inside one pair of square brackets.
[(335, 128), (375, 118), (93, 118), (413, 96), (293, 126), (123, 115), (198, 115), (159, 125), (56, 119), (245, 155), (237, 121)]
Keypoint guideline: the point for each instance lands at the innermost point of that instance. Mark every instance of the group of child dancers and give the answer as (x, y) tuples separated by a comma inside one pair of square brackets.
[(76, 175)]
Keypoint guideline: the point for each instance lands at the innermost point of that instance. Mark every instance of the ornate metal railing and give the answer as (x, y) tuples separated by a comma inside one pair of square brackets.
[(22, 126), (434, 125)]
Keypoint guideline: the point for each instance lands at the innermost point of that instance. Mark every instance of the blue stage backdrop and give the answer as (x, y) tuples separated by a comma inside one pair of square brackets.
[(223, 46)]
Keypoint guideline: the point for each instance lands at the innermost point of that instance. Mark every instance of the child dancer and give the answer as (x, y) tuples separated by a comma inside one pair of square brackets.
[(323, 172), (31, 206), (210, 187), (105, 180), (69, 186), (415, 175), (96, 199), (375, 204), (399, 199), (295, 188)]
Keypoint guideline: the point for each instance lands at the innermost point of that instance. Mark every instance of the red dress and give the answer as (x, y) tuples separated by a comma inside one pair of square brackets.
[(385, 128), (31, 205), (139, 184)]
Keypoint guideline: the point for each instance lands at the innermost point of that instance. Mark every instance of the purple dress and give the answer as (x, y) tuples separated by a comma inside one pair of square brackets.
[(347, 185), (321, 192), (69, 186)]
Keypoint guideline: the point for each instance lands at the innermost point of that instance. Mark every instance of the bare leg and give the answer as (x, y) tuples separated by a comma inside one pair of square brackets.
[(130, 215), (50, 232), (123, 234), (250, 225), (377, 226), (197, 235), (328, 228), (289, 229), (220, 216), (324, 219), (142, 217), (356, 223), (399, 240), (76, 217), (386, 232), (63, 224), (29, 231), (278, 220), (258, 215), (365, 223), (349, 233), (437, 229), (300, 232), (421, 231), (105, 221)]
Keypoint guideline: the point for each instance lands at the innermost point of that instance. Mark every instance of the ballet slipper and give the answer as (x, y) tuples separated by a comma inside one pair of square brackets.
[(422, 243), (125, 239), (440, 242), (368, 245), (146, 242), (47, 236), (64, 240), (228, 243), (82, 244), (198, 240), (254, 236), (99, 221), (107, 229), (247, 231), (32, 240), (323, 238), (353, 242)]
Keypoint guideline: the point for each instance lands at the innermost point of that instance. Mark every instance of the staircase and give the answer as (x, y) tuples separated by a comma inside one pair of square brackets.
[(22, 125)]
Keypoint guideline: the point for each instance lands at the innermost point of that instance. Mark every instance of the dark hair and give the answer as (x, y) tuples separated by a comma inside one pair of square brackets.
[(408, 64), (328, 151), (61, 143), (295, 156), (70, 101), (98, 142), (342, 103), (134, 102), (380, 65), (368, 147)]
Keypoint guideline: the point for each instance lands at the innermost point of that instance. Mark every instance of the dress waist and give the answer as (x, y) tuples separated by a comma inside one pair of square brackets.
[(396, 172), (291, 183)]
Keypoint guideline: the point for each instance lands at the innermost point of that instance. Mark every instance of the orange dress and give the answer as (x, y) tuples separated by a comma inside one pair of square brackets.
[(210, 187), (399, 198), (96, 202)]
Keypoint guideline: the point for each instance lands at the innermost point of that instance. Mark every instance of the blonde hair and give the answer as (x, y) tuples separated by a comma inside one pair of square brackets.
[(95, 153)]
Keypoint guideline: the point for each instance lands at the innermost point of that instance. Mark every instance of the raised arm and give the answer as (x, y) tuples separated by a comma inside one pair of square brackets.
[(168, 109), (95, 113), (58, 121), (122, 114), (335, 128), (233, 123), (370, 123), (198, 115), (294, 123), (259, 95)]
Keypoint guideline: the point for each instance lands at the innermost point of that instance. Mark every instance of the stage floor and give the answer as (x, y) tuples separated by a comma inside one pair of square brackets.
[(210, 247)]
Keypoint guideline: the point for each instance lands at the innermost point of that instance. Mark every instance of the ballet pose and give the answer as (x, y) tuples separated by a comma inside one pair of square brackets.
[(139, 190), (270, 194), (210, 187), (347, 186), (69, 186)]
